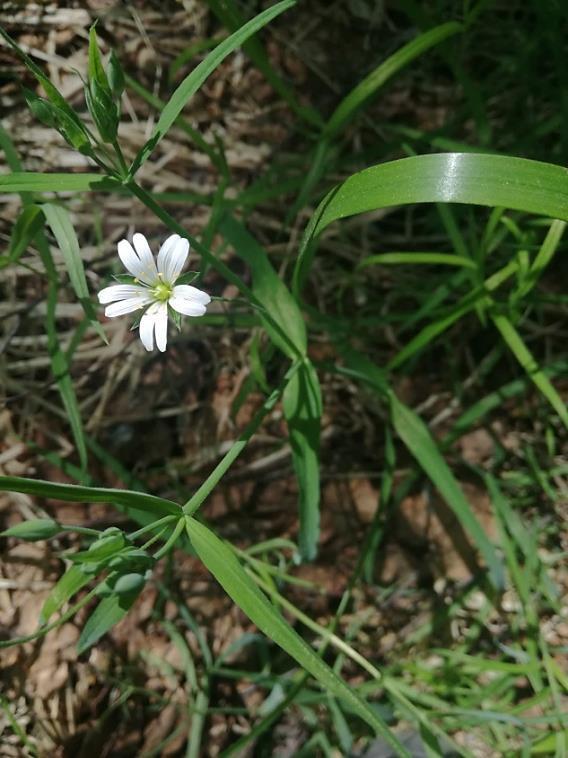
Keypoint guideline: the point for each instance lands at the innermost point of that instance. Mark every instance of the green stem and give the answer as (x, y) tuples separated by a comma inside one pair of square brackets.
[(58, 622), (82, 530), (121, 160), (148, 528), (227, 461), (172, 539)]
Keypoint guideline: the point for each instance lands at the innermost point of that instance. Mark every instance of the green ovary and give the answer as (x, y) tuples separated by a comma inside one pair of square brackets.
[(163, 292)]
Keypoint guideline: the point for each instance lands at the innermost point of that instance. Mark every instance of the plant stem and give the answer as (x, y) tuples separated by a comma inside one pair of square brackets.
[(172, 539), (121, 160), (227, 461)]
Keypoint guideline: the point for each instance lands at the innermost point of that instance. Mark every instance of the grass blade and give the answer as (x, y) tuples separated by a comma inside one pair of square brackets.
[(472, 178), (395, 259), (27, 225), (416, 437), (529, 364), (365, 89)]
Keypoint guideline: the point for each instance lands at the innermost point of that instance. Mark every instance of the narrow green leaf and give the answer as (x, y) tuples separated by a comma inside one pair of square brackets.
[(27, 225), (553, 744), (96, 71), (201, 72), (103, 110), (51, 115), (183, 124), (116, 77), (60, 222), (415, 435), (223, 564), (363, 369), (302, 399), (107, 614), (67, 585), (490, 180), (544, 256), (149, 503), (529, 364), (30, 181), (59, 362), (409, 258), (368, 87), (286, 326), (51, 90), (303, 407)]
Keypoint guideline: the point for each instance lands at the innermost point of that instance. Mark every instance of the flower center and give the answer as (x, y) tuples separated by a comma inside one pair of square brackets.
[(162, 292)]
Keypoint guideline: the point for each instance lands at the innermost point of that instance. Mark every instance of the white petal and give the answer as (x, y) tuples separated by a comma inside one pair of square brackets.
[(126, 306), (165, 252), (147, 330), (191, 293), (176, 258), (130, 260), (145, 254), (187, 307), (162, 327), (120, 292)]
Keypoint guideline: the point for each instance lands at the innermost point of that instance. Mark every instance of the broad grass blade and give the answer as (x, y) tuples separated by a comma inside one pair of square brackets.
[(490, 180)]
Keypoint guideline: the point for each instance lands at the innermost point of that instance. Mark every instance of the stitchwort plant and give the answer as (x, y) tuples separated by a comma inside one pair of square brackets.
[(482, 273)]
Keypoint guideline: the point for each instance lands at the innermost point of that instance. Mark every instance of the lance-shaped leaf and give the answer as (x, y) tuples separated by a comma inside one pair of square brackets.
[(58, 219), (73, 132), (76, 493), (53, 94), (225, 567), (27, 225), (302, 408)]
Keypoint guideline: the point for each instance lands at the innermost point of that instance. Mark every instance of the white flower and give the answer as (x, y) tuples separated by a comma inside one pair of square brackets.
[(154, 286)]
